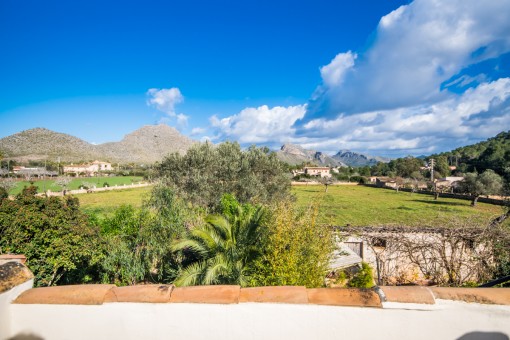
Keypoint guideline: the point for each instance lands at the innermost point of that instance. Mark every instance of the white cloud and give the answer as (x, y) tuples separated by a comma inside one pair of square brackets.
[(259, 125), (477, 114), (416, 48), (393, 99), (197, 131), (333, 74), (165, 101)]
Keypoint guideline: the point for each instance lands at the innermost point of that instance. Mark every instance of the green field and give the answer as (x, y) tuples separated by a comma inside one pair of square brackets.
[(101, 203), (342, 205), (49, 184), (366, 206)]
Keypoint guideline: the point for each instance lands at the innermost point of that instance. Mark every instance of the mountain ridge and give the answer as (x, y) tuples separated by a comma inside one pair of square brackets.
[(148, 144)]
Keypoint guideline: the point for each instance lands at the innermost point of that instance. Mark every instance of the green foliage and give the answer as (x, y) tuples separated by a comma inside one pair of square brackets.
[(3, 193), (206, 172), (364, 278), (487, 183), (297, 250), (60, 245), (222, 249), (493, 153), (139, 240), (442, 167)]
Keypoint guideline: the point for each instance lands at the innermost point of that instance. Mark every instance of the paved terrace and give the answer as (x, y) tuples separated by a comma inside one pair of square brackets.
[(232, 312)]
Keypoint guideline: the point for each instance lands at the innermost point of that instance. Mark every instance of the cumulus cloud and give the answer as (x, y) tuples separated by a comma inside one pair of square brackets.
[(165, 101), (407, 93), (416, 48), (479, 113), (259, 125)]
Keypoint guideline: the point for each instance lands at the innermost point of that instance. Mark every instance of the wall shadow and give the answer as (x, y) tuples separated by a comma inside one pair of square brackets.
[(484, 336)]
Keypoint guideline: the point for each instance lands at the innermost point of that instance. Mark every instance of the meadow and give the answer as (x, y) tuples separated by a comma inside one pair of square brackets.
[(343, 205), (49, 184), (105, 202), (366, 206)]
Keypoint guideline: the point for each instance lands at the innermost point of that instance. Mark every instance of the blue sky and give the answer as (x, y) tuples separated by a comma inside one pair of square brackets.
[(384, 77)]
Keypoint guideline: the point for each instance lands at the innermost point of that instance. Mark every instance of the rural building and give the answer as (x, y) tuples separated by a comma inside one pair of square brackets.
[(404, 255), (318, 171), (447, 183), (32, 172), (89, 169)]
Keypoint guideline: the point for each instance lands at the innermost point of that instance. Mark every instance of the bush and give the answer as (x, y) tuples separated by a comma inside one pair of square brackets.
[(296, 250), (60, 245), (364, 278)]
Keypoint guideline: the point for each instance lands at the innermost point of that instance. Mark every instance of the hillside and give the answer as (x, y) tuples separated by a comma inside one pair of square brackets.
[(494, 153), (145, 145), (294, 154)]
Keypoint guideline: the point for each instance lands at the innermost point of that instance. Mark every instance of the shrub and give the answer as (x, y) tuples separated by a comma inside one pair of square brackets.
[(364, 278), (296, 249)]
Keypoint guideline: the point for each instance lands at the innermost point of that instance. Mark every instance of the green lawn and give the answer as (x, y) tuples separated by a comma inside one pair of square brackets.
[(44, 185), (342, 205), (101, 203), (366, 206)]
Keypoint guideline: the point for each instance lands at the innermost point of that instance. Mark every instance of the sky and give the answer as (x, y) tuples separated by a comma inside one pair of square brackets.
[(388, 78)]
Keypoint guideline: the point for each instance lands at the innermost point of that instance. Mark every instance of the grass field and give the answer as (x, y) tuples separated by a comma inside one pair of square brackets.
[(342, 205), (365, 206), (101, 203), (44, 185)]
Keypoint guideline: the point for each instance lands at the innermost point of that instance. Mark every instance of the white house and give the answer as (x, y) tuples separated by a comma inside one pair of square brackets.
[(89, 169), (318, 171)]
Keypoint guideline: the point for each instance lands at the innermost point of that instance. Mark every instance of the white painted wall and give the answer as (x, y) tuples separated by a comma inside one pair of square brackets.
[(5, 304), (444, 320)]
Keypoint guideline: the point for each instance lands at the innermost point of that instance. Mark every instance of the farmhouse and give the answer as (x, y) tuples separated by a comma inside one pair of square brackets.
[(318, 171), (89, 169)]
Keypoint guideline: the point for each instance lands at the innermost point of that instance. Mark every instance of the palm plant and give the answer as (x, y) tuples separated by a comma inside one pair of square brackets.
[(225, 247)]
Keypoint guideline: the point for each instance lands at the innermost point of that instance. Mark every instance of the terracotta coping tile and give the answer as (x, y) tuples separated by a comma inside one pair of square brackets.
[(408, 294), (153, 293), (13, 274), (206, 294), (344, 297), (16, 257), (498, 296), (282, 294), (89, 294)]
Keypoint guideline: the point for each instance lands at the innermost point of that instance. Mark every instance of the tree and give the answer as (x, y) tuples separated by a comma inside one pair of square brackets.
[(206, 172), (224, 247), (487, 183), (326, 181), (7, 184), (441, 166), (138, 241), (63, 182), (56, 238), (404, 167)]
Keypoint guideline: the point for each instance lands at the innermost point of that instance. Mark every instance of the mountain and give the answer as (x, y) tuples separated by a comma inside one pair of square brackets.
[(145, 145), (295, 154), (357, 159)]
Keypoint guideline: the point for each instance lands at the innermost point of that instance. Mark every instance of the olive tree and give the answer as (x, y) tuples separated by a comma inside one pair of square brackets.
[(207, 171), (476, 185)]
